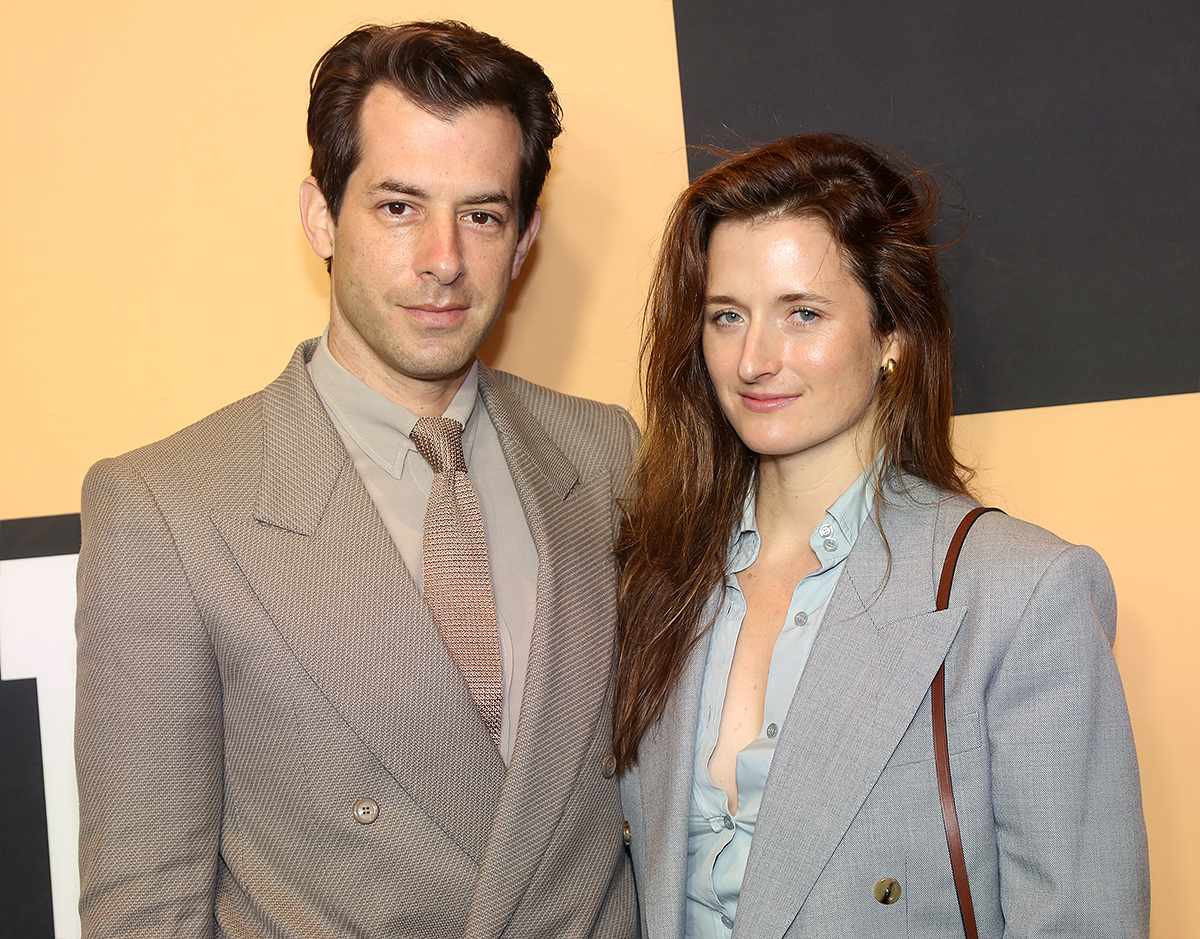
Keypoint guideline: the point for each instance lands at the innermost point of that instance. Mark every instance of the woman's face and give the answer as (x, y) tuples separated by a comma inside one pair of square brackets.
[(788, 340)]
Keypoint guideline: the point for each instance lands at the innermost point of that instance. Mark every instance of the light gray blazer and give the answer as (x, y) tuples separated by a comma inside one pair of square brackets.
[(1042, 758), (272, 740)]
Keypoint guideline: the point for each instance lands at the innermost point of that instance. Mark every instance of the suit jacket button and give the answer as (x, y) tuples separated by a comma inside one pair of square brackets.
[(609, 770), (887, 890), (366, 811), (626, 833)]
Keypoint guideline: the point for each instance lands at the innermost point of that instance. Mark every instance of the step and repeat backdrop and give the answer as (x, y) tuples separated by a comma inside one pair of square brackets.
[(156, 270)]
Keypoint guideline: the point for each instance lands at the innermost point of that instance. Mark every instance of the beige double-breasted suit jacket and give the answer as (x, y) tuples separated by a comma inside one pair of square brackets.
[(272, 740)]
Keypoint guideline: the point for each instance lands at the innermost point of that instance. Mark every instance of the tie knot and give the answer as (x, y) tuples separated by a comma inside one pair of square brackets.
[(439, 440)]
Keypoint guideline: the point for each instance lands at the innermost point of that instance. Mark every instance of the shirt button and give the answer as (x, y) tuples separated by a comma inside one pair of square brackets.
[(825, 530), (829, 544), (727, 822), (772, 729), (366, 811), (800, 619), (727, 921)]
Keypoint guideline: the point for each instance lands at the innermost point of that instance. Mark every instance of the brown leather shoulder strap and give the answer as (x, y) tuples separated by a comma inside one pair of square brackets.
[(941, 746)]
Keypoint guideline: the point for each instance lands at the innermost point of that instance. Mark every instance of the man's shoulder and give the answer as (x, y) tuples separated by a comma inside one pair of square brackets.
[(541, 399), (212, 453), (217, 452), (586, 431)]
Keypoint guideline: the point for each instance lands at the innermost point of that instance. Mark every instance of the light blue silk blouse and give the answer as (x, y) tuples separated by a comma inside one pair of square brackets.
[(718, 842)]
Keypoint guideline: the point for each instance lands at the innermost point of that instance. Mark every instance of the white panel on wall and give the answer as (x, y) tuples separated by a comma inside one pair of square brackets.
[(37, 640)]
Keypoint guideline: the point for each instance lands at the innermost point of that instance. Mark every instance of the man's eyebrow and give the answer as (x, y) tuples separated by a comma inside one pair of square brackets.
[(400, 188), (489, 198)]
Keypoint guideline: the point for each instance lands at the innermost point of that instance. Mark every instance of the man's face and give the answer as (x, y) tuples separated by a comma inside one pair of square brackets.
[(426, 242)]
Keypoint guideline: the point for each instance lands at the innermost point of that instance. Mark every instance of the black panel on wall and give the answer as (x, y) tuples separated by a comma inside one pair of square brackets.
[(40, 537), (25, 904), (1066, 138)]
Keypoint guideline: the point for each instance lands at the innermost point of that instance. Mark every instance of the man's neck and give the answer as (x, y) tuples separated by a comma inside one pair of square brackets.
[(424, 398)]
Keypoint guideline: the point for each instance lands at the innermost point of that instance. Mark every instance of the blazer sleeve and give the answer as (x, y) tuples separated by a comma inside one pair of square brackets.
[(148, 732), (1066, 794)]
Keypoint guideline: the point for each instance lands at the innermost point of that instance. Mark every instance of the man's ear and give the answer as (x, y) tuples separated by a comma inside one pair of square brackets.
[(525, 242), (316, 218)]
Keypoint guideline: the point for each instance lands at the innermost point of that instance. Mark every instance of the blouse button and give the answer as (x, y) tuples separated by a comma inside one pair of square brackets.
[(800, 619), (772, 730)]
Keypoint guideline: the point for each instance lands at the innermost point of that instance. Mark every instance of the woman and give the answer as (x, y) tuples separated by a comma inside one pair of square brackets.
[(795, 495)]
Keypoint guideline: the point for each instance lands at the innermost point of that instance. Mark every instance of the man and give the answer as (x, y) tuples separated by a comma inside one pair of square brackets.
[(345, 646)]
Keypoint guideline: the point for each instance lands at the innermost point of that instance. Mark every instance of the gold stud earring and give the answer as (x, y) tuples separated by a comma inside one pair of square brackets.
[(889, 368)]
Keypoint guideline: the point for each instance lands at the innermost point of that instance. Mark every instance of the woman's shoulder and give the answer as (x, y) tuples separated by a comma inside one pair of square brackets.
[(999, 544)]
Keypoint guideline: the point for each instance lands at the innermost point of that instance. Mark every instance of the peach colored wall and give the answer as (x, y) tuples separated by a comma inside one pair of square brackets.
[(155, 270), (154, 264), (1121, 476)]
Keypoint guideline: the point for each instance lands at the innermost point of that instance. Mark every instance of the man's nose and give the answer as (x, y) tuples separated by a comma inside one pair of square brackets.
[(439, 251)]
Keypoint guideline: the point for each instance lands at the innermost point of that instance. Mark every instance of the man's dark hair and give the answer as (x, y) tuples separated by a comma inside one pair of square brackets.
[(445, 68)]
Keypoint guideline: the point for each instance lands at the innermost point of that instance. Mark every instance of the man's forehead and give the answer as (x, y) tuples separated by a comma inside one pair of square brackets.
[(477, 146)]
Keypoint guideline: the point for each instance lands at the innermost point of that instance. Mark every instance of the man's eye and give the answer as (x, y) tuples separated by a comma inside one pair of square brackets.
[(396, 208), (805, 315), (482, 218)]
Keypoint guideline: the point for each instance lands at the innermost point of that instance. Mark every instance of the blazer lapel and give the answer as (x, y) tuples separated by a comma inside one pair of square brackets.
[(664, 769), (570, 655), (877, 652), (317, 555)]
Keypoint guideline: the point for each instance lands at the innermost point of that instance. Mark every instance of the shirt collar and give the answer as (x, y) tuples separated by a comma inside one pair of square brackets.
[(831, 540), (381, 427)]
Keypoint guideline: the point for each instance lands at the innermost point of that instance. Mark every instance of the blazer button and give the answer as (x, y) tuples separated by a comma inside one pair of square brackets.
[(626, 833), (887, 890), (366, 811), (609, 769)]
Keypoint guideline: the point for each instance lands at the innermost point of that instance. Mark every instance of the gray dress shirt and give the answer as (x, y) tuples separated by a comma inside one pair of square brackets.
[(375, 431), (719, 841)]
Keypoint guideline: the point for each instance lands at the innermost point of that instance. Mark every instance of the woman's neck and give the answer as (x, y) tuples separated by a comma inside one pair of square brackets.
[(795, 491)]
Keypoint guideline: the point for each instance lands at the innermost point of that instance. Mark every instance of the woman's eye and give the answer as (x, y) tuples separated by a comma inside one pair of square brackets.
[(726, 318)]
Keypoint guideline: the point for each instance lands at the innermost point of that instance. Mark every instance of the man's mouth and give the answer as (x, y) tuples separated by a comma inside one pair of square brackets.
[(437, 315)]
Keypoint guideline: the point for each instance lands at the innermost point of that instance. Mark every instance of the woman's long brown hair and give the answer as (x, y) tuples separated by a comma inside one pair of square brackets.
[(692, 472)]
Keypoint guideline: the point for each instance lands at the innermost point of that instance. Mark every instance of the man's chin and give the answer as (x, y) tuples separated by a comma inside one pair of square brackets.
[(437, 368)]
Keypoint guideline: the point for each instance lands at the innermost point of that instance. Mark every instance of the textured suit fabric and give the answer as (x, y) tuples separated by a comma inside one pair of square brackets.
[(1044, 769), (254, 658)]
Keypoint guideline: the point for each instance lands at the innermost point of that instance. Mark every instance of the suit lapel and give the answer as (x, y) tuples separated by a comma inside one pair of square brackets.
[(878, 649), (570, 654), (317, 555), (664, 769)]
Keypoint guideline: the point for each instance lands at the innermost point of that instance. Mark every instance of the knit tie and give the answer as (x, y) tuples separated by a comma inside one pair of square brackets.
[(457, 579)]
